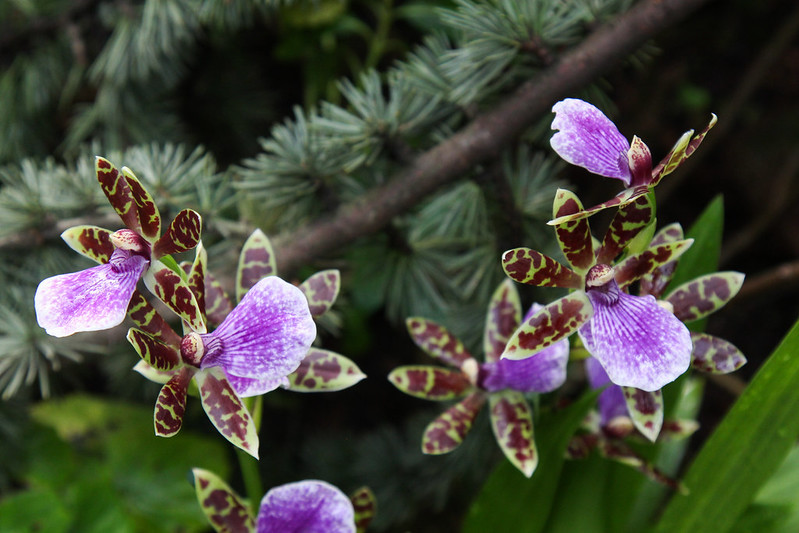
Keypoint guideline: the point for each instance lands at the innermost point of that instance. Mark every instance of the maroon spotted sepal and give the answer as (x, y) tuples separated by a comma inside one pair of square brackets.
[(628, 222), (534, 268), (217, 302), (619, 451), (646, 410), (437, 341), (705, 295), (149, 217), (682, 150), (321, 290), (90, 241), (155, 353), (364, 504), (446, 432), (182, 235), (552, 323), (714, 355), (195, 275), (504, 316), (144, 315), (171, 289), (171, 403), (574, 237), (430, 382), (324, 371), (256, 261), (223, 508), (225, 409), (634, 267), (116, 189), (655, 283), (623, 198), (512, 422)]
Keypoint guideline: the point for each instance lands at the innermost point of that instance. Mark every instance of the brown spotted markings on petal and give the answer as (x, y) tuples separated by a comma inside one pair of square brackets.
[(446, 432), (682, 150), (619, 451), (217, 303), (623, 198), (149, 217), (157, 354), (534, 268), (171, 289), (90, 241), (195, 276), (628, 222), (171, 404), (655, 283), (698, 298), (503, 317), (512, 423), (714, 355), (182, 234), (574, 237), (430, 382), (144, 315), (256, 261), (364, 504), (324, 371), (321, 290), (646, 410), (225, 510), (437, 341), (225, 410), (118, 192), (636, 266)]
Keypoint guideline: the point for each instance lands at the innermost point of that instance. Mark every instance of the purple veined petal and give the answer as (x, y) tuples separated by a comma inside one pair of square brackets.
[(637, 342), (266, 336), (611, 401), (246, 387), (90, 300), (587, 138), (306, 507)]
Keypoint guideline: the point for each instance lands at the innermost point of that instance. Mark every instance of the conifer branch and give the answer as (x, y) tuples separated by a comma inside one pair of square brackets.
[(487, 134)]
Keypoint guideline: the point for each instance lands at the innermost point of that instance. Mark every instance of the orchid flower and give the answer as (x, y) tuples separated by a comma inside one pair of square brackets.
[(503, 382), (587, 138), (99, 298), (308, 506)]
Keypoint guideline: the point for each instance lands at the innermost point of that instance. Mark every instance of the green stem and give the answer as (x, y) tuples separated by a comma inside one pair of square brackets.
[(380, 37), (250, 472)]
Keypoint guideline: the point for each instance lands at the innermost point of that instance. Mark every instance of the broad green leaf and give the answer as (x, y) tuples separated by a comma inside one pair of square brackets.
[(171, 403), (365, 505), (324, 371), (646, 410), (430, 382), (552, 323), (714, 355), (149, 217), (512, 423), (157, 354), (574, 238), (534, 268), (628, 222), (171, 289), (705, 295), (256, 261), (446, 432), (437, 341), (745, 449), (35, 509), (182, 234), (144, 315), (634, 267), (503, 317), (90, 241), (118, 192), (321, 290), (511, 502), (225, 510), (225, 410)]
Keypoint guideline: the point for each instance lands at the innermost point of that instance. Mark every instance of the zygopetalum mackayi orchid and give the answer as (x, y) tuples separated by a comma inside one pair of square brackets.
[(503, 382), (309, 506), (262, 343), (587, 138), (639, 341)]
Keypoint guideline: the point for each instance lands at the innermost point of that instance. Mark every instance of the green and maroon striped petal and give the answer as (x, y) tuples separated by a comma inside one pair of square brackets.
[(634, 267), (552, 323), (321, 290), (504, 316), (90, 241), (714, 355), (225, 410), (656, 282), (195, 274), (437, 341), (171, 289), (705, 295), (225, 510), (324, 371), (149, 217), (430, 382), (628, 222), (534, 268), (144, 315), (574, 237), (116, 189), (681, 151), (446, 432), (157, 354), (153, 374), (512, 422), (623, 198), (171, 403), (182, 234), (646, 410), (256, 261), (364, 504)]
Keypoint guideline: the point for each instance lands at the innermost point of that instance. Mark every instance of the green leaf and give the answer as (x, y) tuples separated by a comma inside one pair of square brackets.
[(511, 502), (744, 451)]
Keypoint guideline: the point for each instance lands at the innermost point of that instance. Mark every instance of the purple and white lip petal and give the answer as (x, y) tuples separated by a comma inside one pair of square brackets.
[(89, 300), (589, 139), (306, 507)]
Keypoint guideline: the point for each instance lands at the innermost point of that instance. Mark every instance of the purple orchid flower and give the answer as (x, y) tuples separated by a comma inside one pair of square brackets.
[(308, 506)]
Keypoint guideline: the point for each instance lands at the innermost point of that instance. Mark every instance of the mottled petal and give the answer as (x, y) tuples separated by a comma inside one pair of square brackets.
[(637, 342), (543, 372), (646, 410), (149, 217), (534, 268), (144, 315), (266, 336), (182, 234), (437, 341), (657, 281), (365, 505), (512, 423), (503, 317), (587, 138), (321, 289), (623, 198), (156, 353), (628, 222), (705, 295), (226, 411), (118, 192), (682, 150), (574, 238), (90, 300), (430, 382), (611, 400), (256, 261), (173, 290), (636, 266), (306, 507), (223, 508), (446, 432), (324, 371), (714, 355), (90, 241), (171, 403)]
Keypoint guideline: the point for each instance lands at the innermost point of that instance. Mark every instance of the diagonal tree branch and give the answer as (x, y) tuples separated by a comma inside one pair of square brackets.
[(484, 137)]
